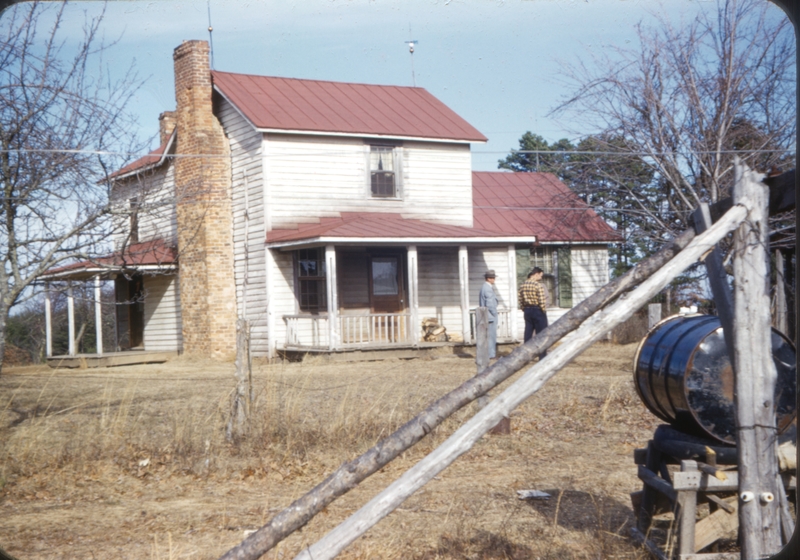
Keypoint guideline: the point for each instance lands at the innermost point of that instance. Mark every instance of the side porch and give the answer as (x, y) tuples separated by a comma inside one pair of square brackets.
[(140, 323)]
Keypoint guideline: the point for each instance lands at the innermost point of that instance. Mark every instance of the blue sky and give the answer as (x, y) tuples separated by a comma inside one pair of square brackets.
[(496, 63)]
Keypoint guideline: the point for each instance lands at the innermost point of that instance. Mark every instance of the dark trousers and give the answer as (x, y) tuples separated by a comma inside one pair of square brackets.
[(535, 320)]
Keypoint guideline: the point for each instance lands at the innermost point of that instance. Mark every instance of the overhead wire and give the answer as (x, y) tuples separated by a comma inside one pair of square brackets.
[(352, 152)]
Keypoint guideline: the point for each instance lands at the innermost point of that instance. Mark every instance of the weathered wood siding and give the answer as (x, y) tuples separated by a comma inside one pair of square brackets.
[(439, 287), (157, 217), (313, 177), (489, 258), (162, 314), (249, 229), (589, 270), (282, 300)]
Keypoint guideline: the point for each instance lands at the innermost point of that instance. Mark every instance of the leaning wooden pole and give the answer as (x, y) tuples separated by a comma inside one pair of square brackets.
[(465, 437), (755, 376), (351, 473)]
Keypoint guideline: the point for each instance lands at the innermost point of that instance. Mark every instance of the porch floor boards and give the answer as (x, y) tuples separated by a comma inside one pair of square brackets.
[(109, 359), (385, 352)]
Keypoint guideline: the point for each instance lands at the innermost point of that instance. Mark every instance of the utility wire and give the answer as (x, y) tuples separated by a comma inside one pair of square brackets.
[(335, 152)]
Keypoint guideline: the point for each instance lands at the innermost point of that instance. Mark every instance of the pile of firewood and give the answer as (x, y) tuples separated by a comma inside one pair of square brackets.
[(434, 332)]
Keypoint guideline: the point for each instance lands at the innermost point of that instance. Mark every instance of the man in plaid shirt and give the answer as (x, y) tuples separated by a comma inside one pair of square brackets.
[(533, 302)]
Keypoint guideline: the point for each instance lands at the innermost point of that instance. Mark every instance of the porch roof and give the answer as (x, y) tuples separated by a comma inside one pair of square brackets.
[(520, 203), (383, 228), (149, 161), (150, 256)]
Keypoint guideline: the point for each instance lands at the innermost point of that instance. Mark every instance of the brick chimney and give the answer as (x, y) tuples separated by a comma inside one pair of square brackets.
[(166, 124), (203, 191)]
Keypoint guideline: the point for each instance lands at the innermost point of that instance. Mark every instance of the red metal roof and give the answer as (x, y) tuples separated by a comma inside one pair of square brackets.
[(538, 203), (155, 252), (377, 225), (342, 108), (153, 158)]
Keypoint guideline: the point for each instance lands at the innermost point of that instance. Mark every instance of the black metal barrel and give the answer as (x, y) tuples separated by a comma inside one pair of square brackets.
[(684, 376)]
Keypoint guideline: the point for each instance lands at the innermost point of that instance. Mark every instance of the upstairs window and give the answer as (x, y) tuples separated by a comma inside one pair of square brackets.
[(311, 289), (383, 179)]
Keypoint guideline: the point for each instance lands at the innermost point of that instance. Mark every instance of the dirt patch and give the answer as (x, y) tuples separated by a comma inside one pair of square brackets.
[(132, 462)]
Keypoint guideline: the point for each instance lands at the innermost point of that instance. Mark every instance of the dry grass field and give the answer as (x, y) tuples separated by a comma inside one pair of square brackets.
[(132, 462)]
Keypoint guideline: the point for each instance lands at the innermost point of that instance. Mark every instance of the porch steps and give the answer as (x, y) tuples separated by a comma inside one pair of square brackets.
[(111, 359)]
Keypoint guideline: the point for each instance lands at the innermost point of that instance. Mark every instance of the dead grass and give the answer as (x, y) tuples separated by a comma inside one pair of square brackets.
[(132, 462)]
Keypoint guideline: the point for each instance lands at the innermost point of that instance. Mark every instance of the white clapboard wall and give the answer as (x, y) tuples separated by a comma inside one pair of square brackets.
[(162, 314), (249, 224), (157, 217), (309, 178)]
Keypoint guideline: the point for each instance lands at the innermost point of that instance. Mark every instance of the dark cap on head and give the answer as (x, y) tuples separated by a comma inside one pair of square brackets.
[(490, 274)]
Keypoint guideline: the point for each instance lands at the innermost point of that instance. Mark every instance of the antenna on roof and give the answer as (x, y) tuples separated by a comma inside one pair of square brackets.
[(411, 44), (210, 38)]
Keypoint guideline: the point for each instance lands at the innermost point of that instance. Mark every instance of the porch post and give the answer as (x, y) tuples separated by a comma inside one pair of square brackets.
[(269, 273), (463, 282), (512, 292), (48, 321), (71, 319), (98, 315), (413, 295), (333, 303)]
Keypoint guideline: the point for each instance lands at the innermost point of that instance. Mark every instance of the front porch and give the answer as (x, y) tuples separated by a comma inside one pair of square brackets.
[(378, 331), (375, 280)]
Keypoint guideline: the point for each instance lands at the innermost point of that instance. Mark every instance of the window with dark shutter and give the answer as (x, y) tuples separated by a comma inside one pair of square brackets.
[(564, 277), (311, 289), (556, 263)]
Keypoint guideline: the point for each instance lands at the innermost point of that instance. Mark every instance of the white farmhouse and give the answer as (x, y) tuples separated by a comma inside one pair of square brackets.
[(332, 216)]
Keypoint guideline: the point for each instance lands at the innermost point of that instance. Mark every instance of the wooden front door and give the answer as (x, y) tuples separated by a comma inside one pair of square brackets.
[(386, 283), (387, 297)]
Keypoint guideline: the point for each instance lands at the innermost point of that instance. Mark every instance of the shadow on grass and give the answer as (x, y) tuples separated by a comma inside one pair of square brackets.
[(482, 546), (582, 511)]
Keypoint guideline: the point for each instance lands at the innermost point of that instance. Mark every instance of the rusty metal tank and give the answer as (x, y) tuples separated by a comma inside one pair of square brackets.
[(684, 376)]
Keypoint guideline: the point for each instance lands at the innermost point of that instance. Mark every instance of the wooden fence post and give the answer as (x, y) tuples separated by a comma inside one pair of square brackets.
[(755, 375), (781, 317), (530, 382), (482, 346), (482, 338), (243, 394)]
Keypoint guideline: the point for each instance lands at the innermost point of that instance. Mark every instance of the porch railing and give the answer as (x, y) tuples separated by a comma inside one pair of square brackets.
[(504, 319), (309, 331), (374, 329)]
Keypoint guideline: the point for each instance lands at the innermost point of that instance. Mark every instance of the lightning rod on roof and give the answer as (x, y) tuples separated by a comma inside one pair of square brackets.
[(411, 43), (411, 50)]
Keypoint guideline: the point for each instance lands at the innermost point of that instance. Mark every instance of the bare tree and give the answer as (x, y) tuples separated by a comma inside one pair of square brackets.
[(62, 119), (685, 99)]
